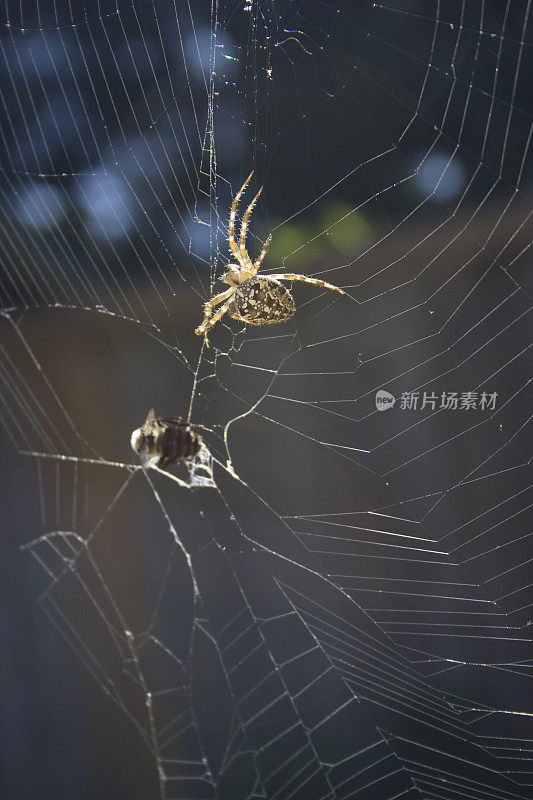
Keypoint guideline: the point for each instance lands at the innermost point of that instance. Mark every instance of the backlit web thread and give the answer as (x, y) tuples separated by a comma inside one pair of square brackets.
[(351, 651)]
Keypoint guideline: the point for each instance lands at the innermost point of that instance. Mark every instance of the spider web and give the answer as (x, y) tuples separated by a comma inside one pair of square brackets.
[(335, 601)]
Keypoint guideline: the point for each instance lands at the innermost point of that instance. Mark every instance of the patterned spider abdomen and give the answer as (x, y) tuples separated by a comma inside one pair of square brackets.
[(262, 301)]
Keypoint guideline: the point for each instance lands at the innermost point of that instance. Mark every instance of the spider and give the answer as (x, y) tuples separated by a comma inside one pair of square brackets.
[(252, 298)]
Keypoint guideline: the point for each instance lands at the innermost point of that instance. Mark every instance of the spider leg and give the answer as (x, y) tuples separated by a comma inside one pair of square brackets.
[(244, 228), (288, 276), (263, 253), (231, 228), (208, 320)]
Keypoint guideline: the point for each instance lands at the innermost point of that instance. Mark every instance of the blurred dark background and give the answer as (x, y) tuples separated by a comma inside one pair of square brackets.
[(393, 147)]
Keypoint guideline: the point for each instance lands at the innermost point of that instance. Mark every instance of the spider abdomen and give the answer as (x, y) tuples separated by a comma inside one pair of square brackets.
[(263, 301)]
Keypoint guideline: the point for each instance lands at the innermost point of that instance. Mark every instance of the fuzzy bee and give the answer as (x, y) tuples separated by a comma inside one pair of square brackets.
[(165, 441)]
